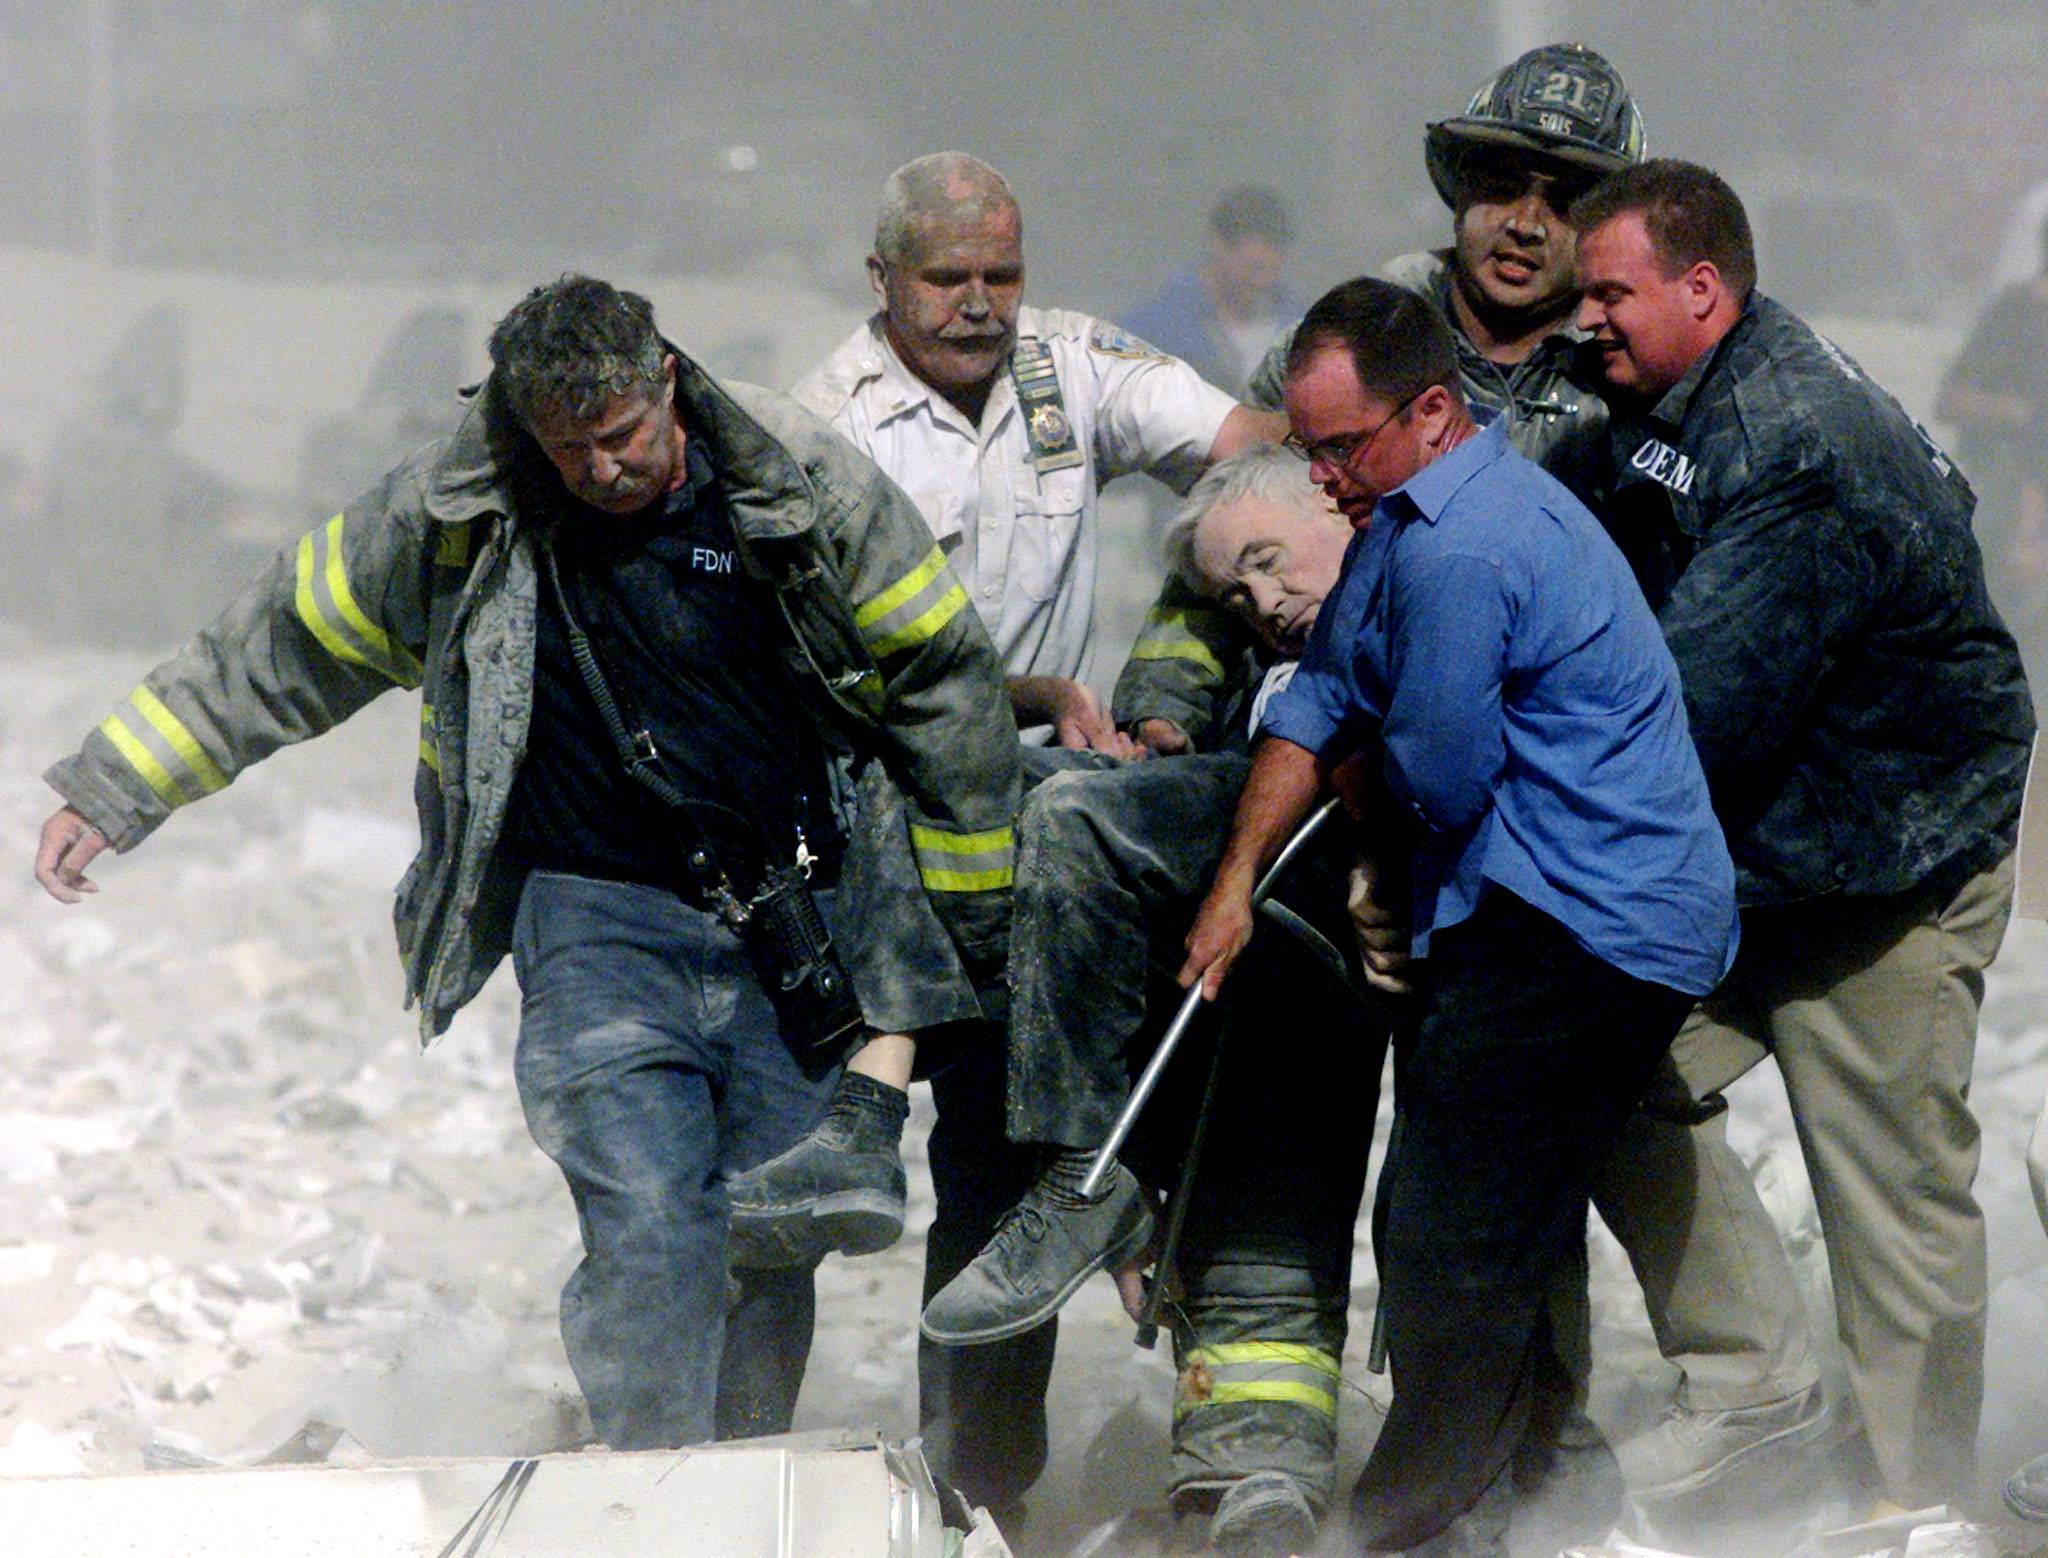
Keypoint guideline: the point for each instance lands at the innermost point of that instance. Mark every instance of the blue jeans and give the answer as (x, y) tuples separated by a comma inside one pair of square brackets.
[(649, 1066)]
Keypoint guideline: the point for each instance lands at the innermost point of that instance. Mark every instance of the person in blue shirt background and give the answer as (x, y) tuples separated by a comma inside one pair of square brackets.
[(1221, 315), (1493, 680)]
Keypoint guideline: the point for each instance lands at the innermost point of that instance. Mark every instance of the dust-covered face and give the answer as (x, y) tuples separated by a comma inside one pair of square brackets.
[(950, 304), (1272, 564), (1515, 246), (624, 458)]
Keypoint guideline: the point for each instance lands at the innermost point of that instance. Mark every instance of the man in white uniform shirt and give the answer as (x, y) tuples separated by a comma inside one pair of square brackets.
[(1003, 422)]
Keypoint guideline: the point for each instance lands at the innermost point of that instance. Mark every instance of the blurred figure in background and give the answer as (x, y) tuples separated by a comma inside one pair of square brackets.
[(1221, 315), (409, 401), (1996, 397), (148, 535), (2018, 241)]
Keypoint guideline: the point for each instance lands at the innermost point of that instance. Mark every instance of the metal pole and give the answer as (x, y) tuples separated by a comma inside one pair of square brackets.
[(1148, 1080), (1177, 1207)]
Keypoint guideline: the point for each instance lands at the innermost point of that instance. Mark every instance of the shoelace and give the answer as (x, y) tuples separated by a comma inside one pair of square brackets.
[(1028, 1221)]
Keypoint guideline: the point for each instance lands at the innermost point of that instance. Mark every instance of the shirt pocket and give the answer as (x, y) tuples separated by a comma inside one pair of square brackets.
[(1045, 552)]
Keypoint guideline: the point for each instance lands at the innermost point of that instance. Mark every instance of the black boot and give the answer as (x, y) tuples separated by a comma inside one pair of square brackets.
[(840, 1188)]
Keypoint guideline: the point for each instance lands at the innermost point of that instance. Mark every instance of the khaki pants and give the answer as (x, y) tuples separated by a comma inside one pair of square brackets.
[(1721, 1295), (1870, 1006)]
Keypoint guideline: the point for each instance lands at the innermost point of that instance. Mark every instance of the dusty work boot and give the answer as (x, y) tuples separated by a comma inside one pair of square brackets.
[(1266, 1515), (839, 1188), (1045, 1247), (2026, 1490), (1692, 1450)]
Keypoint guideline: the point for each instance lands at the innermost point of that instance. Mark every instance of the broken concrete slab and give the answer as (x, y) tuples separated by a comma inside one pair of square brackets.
[(853, 1497)]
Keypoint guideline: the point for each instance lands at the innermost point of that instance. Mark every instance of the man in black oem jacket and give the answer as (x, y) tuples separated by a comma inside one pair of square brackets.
[(1864, 724)]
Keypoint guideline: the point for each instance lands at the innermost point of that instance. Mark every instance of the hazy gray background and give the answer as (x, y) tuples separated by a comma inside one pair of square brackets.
[(209, 1079), (379, 138), (293, 180)]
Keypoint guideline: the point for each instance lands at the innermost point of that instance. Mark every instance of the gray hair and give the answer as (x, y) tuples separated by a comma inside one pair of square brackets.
[(921, 189), (573, 344), (1268, 471)]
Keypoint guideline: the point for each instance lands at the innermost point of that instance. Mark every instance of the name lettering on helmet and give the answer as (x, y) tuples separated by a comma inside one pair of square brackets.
[(1664, 464), (707, 559)]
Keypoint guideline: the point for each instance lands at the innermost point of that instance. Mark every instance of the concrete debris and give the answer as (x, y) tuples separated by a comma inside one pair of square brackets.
[(840, 1496), (357, 846), (34, 1146), (25, 1262), (1934, 1532), (33, 1451), (237, 1200)]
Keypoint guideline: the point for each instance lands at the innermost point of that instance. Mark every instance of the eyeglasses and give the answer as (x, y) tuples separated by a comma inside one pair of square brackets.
[(1338, 453)]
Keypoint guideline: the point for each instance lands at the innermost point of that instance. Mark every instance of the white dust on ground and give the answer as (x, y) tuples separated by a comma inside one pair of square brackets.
[(235, 1195)]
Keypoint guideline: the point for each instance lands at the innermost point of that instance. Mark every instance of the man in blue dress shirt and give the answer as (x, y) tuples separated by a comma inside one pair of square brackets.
[(1530, 786)]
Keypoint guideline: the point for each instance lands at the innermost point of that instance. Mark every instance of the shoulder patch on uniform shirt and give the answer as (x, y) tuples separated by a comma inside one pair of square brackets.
[(1115, 341)]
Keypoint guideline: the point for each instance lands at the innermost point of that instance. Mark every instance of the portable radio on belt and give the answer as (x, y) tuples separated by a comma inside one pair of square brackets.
[(780, 926)]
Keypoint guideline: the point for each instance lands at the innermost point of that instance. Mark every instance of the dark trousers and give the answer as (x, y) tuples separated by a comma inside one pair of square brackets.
[(1525, 1059), (1111, 867), (649, 1066), (981, 1410)]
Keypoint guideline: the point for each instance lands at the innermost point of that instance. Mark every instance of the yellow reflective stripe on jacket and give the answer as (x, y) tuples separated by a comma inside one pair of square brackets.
[(912, 609), (1233, 1372), (1228, 1392), (143, 761), (160, 748), (354, 638), (1168, 635), (429, 753), (964, 862), (180, 740)]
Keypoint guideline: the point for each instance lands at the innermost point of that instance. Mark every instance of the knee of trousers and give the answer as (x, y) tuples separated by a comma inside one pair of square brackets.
[(1259, 1349)]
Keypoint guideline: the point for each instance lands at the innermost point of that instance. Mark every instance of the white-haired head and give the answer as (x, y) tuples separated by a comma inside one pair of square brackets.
[(1256, 534), (945, 184)]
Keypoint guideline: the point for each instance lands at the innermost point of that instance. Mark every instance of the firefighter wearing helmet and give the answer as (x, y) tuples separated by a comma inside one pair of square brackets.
[(1532, 139)]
